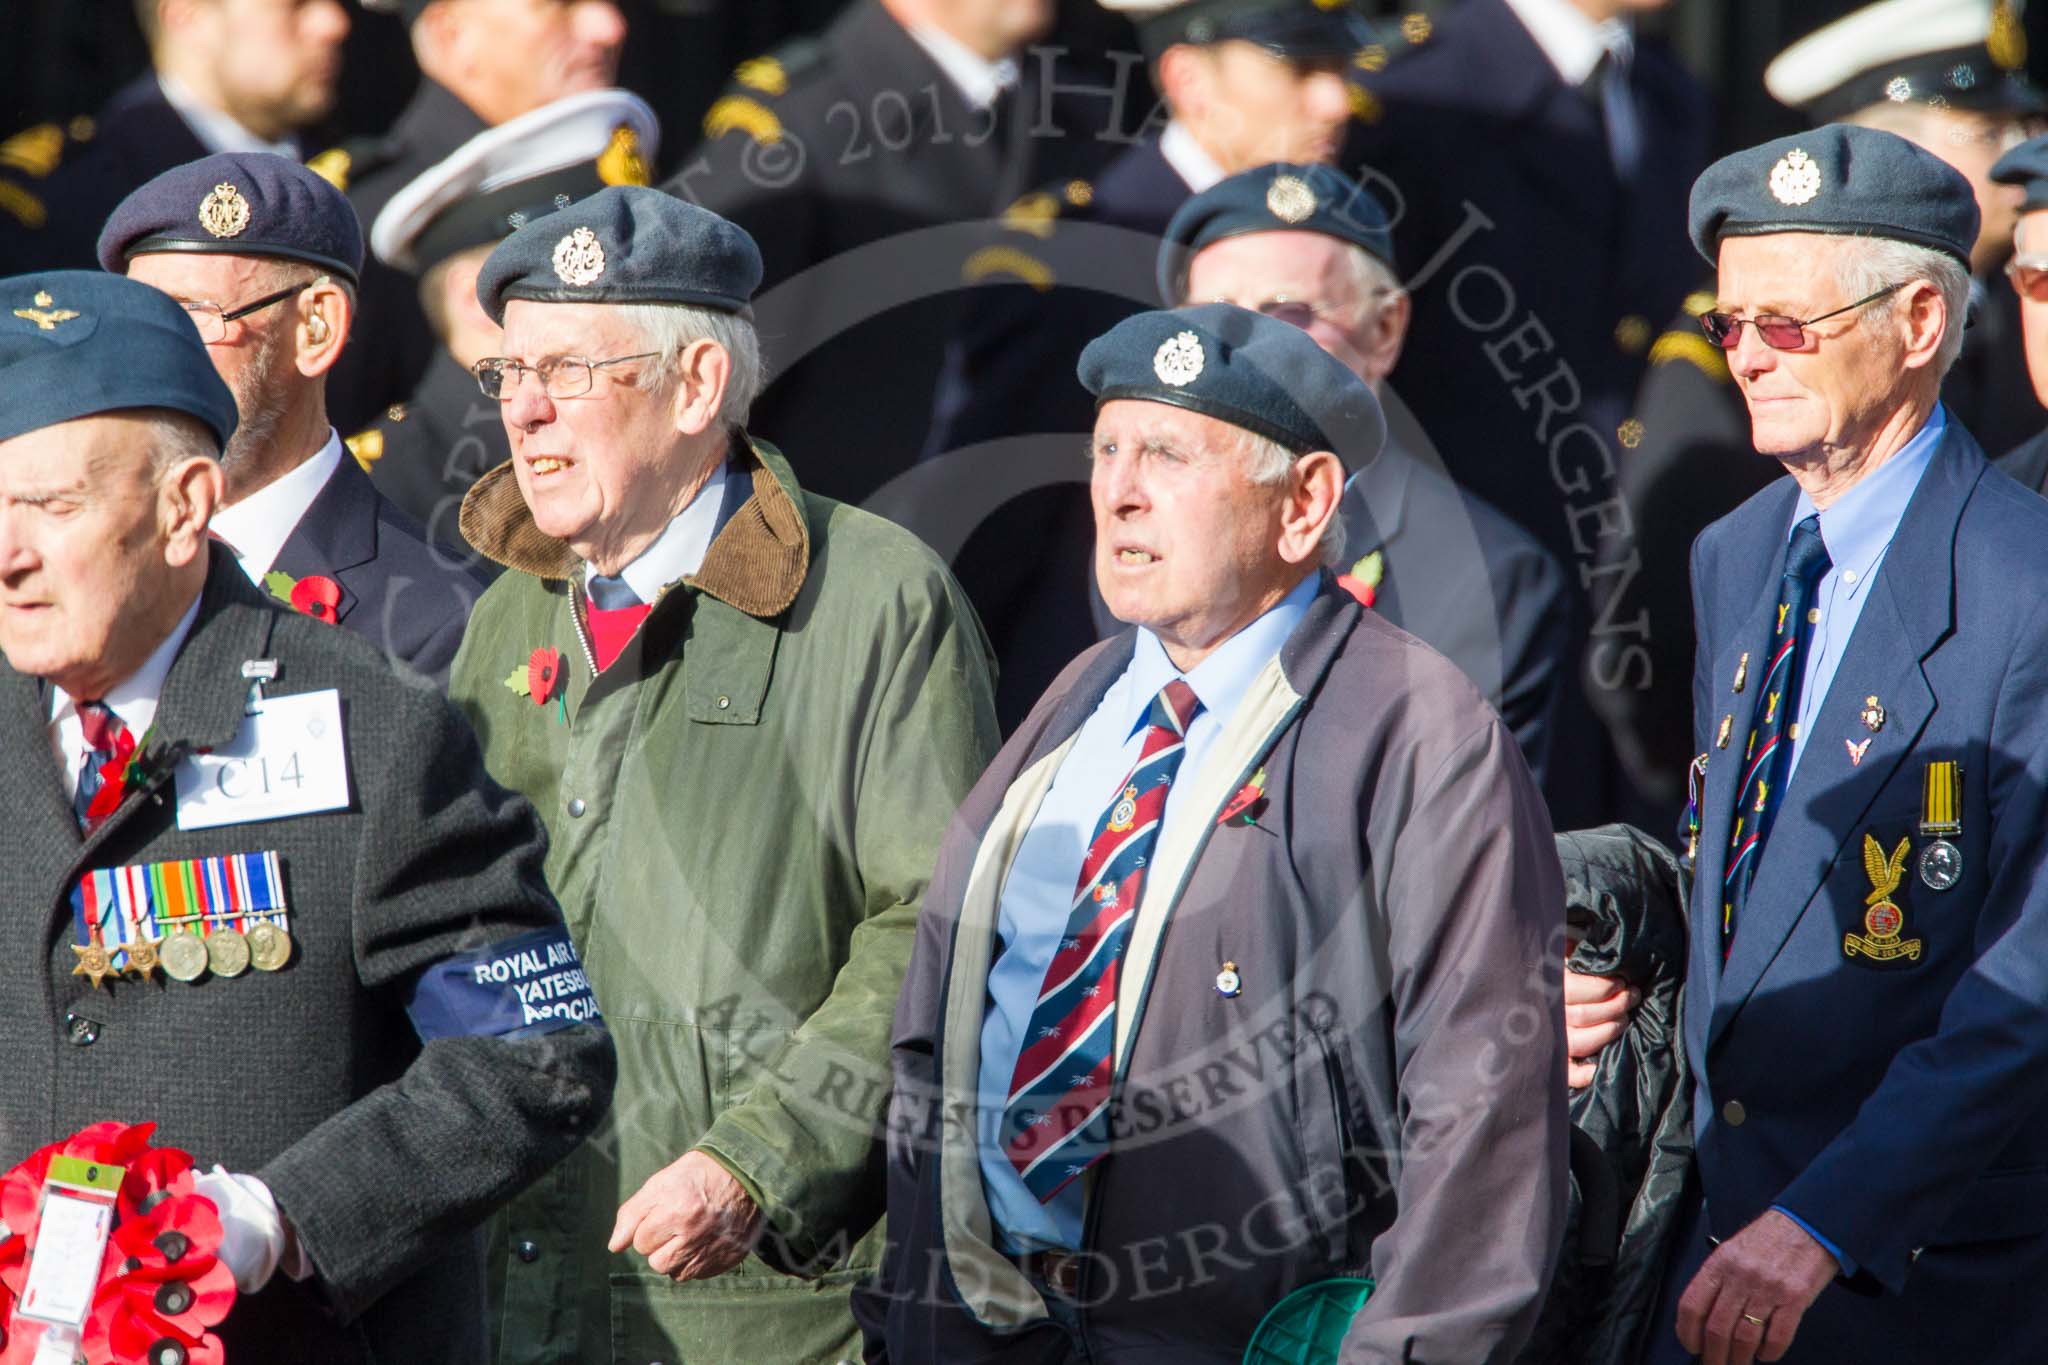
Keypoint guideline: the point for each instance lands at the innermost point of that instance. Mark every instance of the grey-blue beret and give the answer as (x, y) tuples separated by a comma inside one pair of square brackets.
[(1282, 197), (2026, 166), (1243, 368), (242, 203), (624, 244), (1839, 179), (75, 343)]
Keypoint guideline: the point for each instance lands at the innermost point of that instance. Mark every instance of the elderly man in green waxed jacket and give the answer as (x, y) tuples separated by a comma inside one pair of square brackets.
[(746, 714)]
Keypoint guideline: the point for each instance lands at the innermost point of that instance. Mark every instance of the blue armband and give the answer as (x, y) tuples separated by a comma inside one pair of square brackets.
[(529, 984)]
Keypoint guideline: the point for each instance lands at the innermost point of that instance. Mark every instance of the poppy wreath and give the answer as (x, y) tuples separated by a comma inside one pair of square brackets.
[(162, 1285), (316, 595)]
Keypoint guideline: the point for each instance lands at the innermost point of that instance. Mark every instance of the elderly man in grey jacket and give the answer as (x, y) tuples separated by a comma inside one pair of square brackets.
[(1237, 973)]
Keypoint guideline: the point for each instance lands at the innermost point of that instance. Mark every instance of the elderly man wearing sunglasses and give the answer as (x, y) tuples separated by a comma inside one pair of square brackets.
[(1864, 1012)]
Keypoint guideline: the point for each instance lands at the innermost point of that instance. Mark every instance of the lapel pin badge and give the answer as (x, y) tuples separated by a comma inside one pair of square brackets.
[(1228, 983), (1873, 714), (1727, 728), (1742, 671), (1856, 752)]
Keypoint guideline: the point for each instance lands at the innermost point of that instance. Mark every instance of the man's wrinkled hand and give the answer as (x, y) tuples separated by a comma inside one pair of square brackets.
[(1596, 1011), (1746, 1302), (691, 1220)]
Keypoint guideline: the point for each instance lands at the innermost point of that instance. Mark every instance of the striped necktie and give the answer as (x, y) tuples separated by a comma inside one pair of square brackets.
[(1772, 730), (1056, 1122)]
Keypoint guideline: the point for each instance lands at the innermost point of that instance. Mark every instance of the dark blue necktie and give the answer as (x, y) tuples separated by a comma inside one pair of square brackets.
[(608, 593), (1772, 730)]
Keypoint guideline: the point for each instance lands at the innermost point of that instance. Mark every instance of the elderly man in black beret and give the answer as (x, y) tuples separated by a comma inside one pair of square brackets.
[(1238, 970), (745, 713), (263, 255), (1866, 1013), (361, 1014)]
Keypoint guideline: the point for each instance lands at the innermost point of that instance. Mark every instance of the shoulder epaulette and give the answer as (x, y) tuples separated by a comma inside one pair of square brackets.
[(350, 161)]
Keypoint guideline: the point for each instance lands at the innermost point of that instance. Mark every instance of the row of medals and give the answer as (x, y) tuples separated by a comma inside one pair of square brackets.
[(185, 956)]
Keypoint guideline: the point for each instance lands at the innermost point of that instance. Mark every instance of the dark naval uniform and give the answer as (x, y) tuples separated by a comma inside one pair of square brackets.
[(1690, 464), (405, 595), (1469, 583), (424, 453), (59, 183), (866, 176), (393, 341)]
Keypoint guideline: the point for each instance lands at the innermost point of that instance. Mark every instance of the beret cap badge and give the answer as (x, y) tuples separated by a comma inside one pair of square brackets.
[(1795, 179), (224, 212), (1290, 199), (45, 315), (1178, 361), (579, 258)]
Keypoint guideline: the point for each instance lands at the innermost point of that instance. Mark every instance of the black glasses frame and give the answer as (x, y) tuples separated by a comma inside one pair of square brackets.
[(226, 316)]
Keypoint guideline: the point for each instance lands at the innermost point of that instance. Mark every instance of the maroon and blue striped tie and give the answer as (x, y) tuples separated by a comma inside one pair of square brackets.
[(1767, 760), (1056, 1122)]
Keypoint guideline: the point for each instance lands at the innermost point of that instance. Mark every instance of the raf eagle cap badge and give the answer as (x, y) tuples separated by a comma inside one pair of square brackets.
[(224, 213), (1795, 179), (1290, 199), (1179, 360), (579, 258)]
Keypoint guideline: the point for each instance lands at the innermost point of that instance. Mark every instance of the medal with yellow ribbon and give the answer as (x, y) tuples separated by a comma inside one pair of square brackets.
[(1941, 815), (1880, 941)]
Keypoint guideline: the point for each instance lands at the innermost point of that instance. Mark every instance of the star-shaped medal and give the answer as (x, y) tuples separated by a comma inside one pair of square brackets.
[(95, 964)]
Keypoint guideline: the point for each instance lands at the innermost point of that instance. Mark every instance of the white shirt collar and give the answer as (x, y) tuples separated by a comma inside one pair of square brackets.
[(216, 131), (679, 550), (979, 80), (1573, 43), (1187, 158), (134, 699), (259, 525)]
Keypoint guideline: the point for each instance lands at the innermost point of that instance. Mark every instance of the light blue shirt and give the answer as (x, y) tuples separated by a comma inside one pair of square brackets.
[(1038, 894), (1857, 530), (679, 550)]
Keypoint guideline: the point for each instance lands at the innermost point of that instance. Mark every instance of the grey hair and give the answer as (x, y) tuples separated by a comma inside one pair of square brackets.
[(176, 437), (671, 328), (1266, 463), (1869, 264)]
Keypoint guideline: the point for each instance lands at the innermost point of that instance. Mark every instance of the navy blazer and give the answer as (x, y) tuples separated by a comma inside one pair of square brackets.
[(1896, 1108), (409, 598)]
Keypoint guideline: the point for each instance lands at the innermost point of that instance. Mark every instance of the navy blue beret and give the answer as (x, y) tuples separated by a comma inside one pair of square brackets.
[(1839, 179), (1277, 198), (1243, 368), (74, 343), (624, 244), (244, 203), (2027, 166), (1286, 28)]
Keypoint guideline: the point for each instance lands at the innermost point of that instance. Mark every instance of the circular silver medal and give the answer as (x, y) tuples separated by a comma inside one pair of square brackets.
[(1228, 982), (1941, 865)]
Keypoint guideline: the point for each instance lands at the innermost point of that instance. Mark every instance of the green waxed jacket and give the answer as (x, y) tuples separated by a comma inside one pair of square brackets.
[(743, 813)]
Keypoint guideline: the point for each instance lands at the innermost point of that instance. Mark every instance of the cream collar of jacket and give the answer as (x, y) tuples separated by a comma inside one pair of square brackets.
[(756, 563)]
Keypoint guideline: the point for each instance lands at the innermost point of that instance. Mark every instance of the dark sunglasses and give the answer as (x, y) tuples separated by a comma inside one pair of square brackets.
[(1779, 332)]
